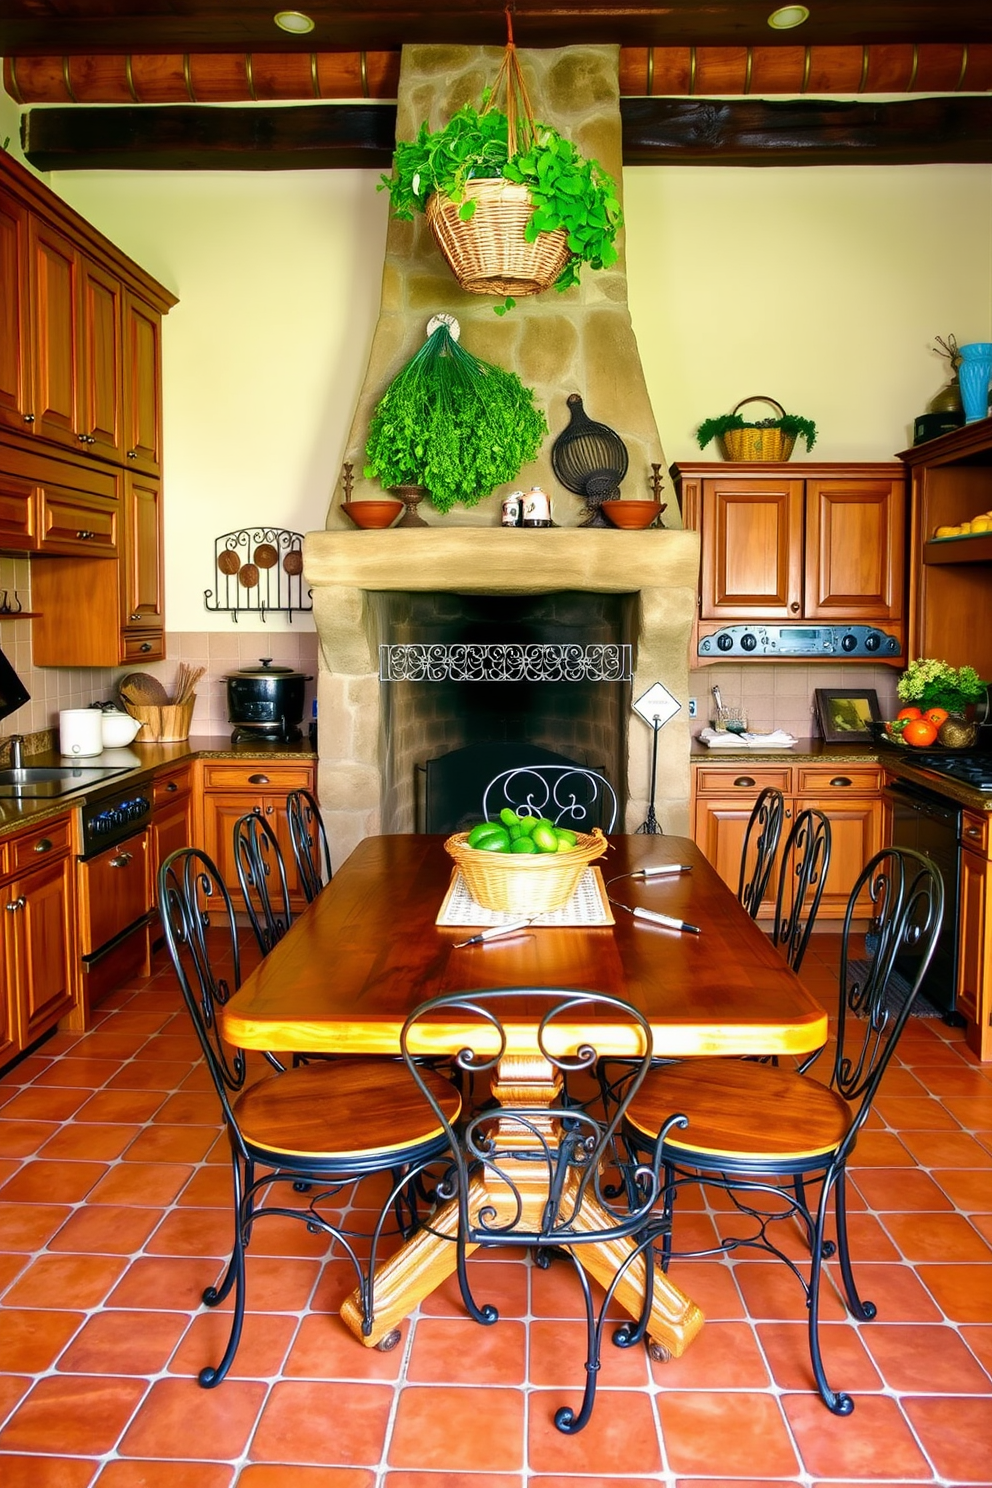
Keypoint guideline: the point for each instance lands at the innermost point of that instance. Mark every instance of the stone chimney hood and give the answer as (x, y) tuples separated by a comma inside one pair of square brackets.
[(580, 341)]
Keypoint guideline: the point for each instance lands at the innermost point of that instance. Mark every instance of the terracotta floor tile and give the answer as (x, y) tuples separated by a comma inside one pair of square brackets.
[(31, 1340), (39, 1181), (265, 1342), (908, 1114), (11, 1267), (223, 1418), (82, 1414), (963, 1292), (177, 1047), (883, 1149), (106, 1229), (466, 1480), (441, 1346), (29, 1226), (947, 1150), (209, 1188), (13, 1388), (951, 1079), (24, 1138), (323, 1423), (622, 1433), (881, 1447), (772, 1293), (196, 1232), (438, 1427), (161, 1281), (973, 1112), (189, 1107), (88, 1072), (845, 1351), (269, 1475), (78, 1139), (943, 1237), (969, 1188), (558, 1354), (724, 1356), (897, 1292), (44, 1105), (711, 1285), (65, 1281), (141, 1075), (124, 1343), (916, 1359), (137, 1474), (737, 1483), (979, 1340), (895, 1189), (713, 1432), (325, 1349), (141, 1183), (47, 1472), (501, 1284), (186, 1144), (131, 1106), (900, 1081)]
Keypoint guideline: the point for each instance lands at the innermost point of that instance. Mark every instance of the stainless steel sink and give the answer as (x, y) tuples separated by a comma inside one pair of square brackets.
[(53, 780)]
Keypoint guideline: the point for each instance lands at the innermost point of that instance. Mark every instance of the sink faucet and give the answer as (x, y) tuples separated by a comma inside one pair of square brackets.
[(16, 751)]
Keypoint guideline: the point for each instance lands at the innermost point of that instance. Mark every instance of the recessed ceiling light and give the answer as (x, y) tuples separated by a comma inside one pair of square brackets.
[(294, 21), (788, 16)]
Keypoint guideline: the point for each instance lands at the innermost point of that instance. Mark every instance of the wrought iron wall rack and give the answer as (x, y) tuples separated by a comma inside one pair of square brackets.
[(505, 662), (259, 571)]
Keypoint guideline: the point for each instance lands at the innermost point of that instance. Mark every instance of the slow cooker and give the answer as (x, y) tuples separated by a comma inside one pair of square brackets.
[(266, 702)]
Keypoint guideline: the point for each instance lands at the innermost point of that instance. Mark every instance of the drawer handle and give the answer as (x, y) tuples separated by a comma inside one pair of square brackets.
[(136, 615), (973, 831), (258, 780), (121, 860), (84, 534), (16, 904), (745, 780), (841, 780), (145, 646), (172, 786), (43, 845)]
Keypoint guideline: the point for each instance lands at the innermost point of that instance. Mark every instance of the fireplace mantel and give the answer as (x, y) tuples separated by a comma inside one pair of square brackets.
[(660, 566)]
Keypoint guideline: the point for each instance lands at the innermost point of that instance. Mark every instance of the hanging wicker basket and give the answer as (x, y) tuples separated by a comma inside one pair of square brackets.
[(758, 444), (489, 254)]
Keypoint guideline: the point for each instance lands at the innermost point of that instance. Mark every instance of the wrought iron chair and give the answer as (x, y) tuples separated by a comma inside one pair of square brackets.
[(802, 877), (761, 1133), (568, 795), (295, 1131), (543, 1176), (262, 876), (311, 850), (764, 829)]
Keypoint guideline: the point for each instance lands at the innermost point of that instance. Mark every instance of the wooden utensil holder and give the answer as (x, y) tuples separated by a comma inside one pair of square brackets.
[(167, 723)]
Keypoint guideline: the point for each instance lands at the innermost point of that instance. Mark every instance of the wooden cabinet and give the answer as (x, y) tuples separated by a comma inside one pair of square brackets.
[(36, 926), (848, 795), (142, 385), (172, 820), (15, 391), (230, 789), (785, 544), (58, 503), (950, 601), (974, 988)]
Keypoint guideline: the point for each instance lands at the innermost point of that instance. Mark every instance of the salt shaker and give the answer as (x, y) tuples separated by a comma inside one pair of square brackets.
[(513, 509), (537, 508)]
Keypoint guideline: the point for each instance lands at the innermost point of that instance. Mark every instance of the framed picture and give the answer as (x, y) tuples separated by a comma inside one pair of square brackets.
[(847, 717)]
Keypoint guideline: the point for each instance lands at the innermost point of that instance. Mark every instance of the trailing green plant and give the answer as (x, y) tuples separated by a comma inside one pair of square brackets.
[(454, 424), (568, 191), (789, 423)]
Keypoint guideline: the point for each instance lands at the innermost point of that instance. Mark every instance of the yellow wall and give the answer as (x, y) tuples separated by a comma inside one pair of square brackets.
[(821, 286)]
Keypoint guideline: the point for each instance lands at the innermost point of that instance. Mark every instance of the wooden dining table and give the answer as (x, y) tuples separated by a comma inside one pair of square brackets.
[(368, 951)]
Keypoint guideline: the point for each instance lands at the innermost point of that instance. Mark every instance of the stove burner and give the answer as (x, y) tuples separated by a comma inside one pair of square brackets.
[(973, 769)]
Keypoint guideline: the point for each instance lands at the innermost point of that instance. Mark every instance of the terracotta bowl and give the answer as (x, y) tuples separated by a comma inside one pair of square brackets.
[(631, 513), (368, 514)]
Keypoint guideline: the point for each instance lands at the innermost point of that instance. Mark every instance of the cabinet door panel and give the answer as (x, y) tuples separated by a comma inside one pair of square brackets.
[(45, 982), (74, 522), (854, 546), (142, 386), (53, 303), (855, 836), (719, 830), (18, 514), (752, 552), (10, 1042), (98, 411), (15, 371), (143, 604), (220, 812), (113, 892), (170, 830)]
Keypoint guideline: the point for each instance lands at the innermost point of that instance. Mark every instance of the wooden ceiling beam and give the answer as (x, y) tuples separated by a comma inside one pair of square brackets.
[(656, 131)]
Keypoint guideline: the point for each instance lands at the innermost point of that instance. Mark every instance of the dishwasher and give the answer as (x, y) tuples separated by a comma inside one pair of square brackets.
[(931, 824)]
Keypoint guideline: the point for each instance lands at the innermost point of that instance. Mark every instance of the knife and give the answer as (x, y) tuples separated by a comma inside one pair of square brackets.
[(495, 930)]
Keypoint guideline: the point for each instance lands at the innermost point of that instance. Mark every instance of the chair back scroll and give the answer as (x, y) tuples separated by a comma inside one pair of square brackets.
[(764, 829), (201, 937), (567, 795), (507, 1146), (906, 893), (308, 837), (802, 879), (262, 876)]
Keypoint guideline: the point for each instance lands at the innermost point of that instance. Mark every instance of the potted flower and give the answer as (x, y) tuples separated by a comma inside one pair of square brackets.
[(941, 695), (759, 439), (513, 206)]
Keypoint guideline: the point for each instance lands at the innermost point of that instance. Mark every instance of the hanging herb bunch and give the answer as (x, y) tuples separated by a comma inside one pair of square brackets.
[(454, 424)]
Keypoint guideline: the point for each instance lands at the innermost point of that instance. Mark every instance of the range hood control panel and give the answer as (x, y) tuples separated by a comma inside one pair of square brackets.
[(843, 641)]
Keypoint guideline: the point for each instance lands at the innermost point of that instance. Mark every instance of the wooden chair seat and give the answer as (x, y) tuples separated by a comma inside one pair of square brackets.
[(353, 1107), (741, 1112)]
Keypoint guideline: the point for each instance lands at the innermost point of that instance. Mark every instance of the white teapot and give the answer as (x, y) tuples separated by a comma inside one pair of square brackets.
[(118, 728)]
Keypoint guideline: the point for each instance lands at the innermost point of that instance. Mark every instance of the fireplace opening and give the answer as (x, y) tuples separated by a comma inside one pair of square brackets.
[(557, 689)]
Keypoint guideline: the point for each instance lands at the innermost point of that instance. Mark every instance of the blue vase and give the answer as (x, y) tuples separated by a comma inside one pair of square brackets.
[(974, 374)]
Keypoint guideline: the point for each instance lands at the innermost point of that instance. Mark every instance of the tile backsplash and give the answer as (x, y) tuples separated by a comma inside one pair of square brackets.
[(780, 694), (55, 688)]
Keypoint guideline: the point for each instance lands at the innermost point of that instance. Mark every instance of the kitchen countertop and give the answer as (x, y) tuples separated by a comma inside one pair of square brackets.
[(144, 759), (898, 761)]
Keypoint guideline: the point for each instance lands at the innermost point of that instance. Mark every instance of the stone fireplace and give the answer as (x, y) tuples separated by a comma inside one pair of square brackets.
[(366, 583)]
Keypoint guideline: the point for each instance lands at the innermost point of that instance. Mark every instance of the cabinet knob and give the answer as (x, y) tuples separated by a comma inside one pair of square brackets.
[(132, 454), (172, 786), (16, 904), (121, 860), (795, 607), (973, 831), (84, 534), (788, 813), (43, 845), (841, 780), (268, 810), (28, 419), (136, 615), (258, 780), (145, 646), (745, 780)]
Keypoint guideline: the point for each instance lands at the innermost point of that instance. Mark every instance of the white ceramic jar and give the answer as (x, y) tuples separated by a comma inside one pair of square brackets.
[(80, 732)]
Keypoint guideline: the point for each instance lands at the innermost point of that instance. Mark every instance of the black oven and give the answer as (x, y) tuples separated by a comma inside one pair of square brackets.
[(931, 824)]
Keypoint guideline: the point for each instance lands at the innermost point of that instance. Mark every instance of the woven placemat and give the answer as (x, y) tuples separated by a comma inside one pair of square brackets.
[(588, 906)]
